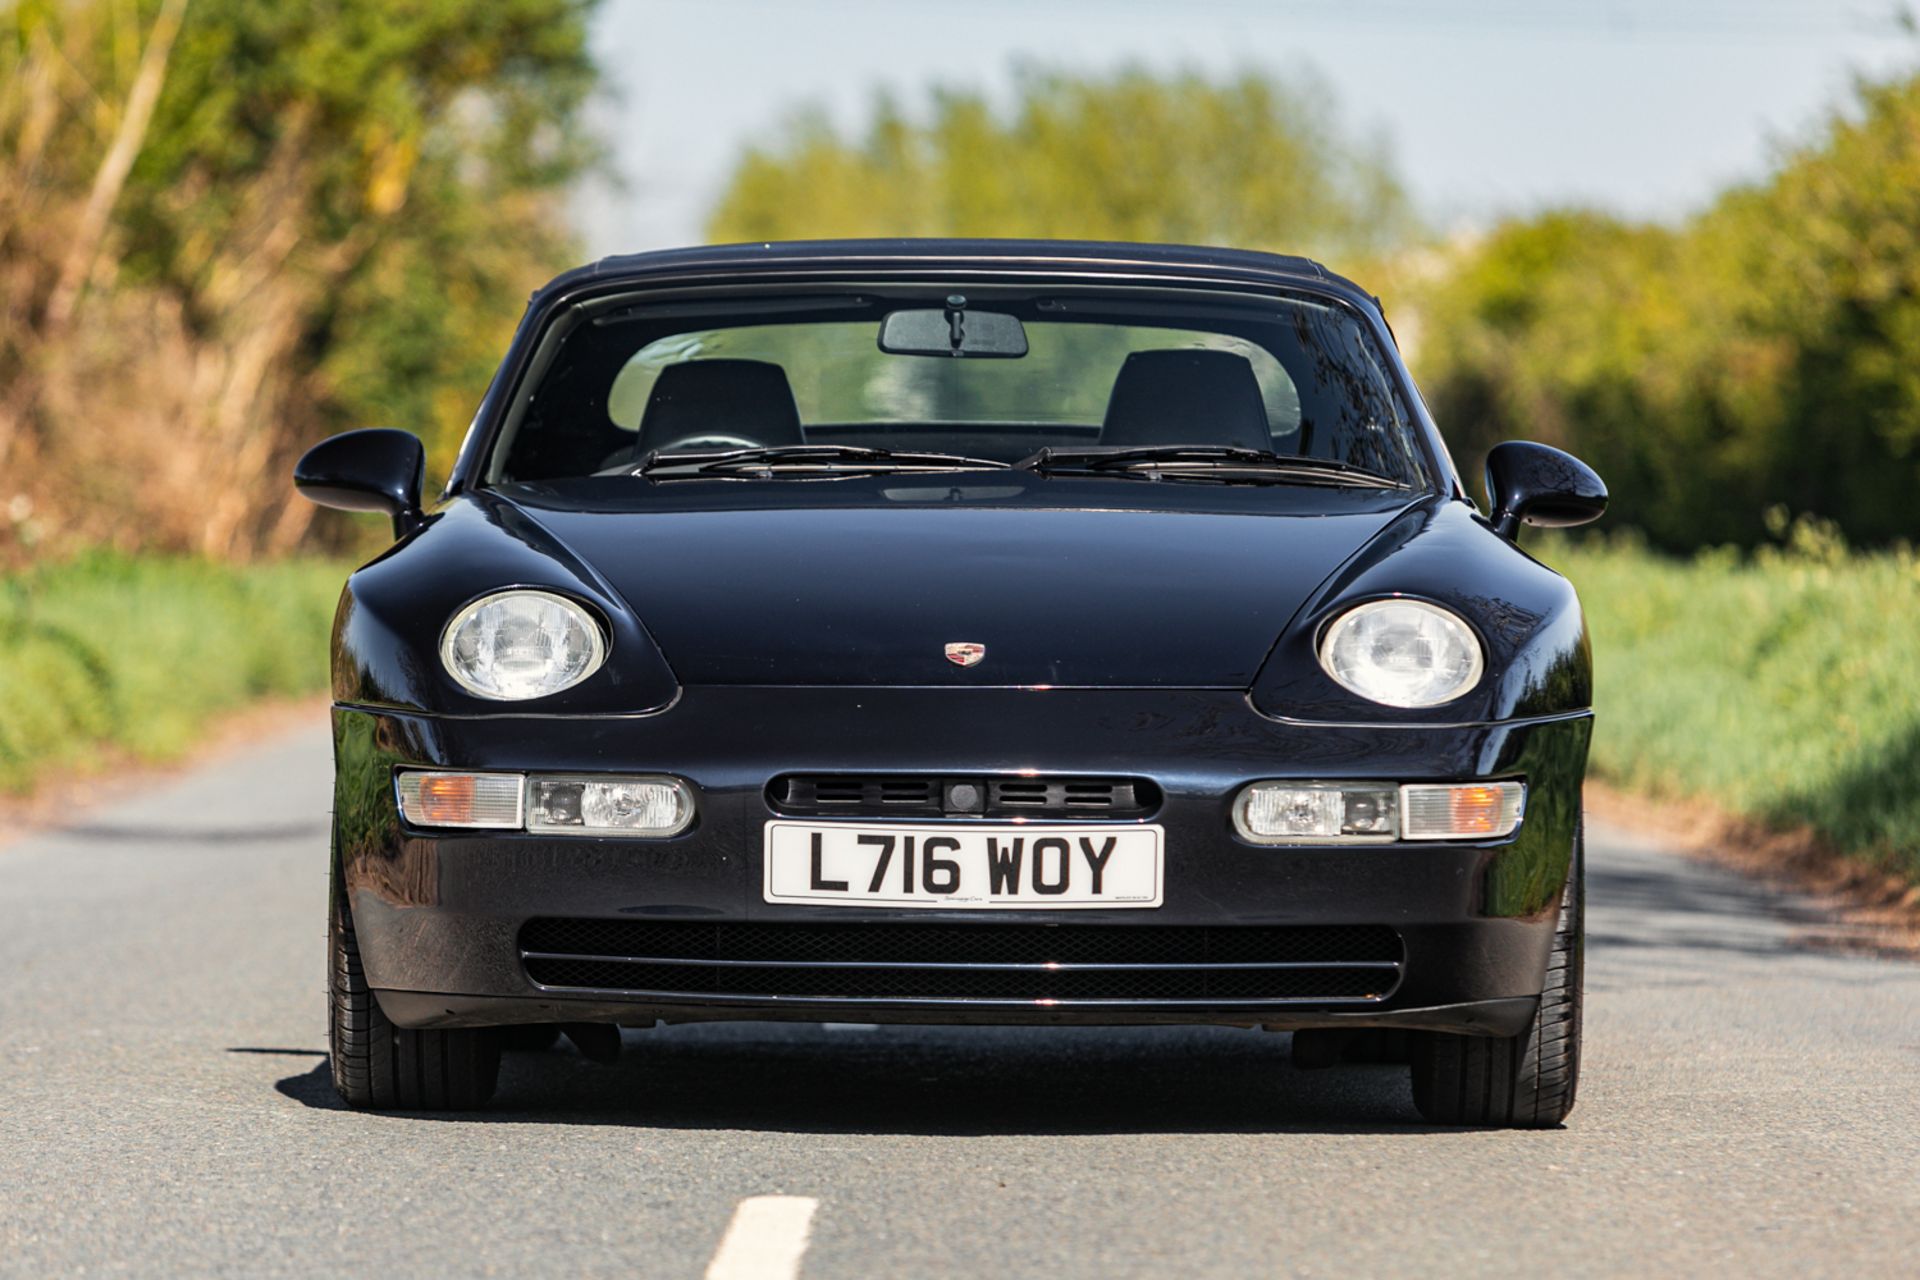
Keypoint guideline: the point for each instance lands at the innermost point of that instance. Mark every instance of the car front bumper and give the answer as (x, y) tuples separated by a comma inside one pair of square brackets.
[(439, 916)]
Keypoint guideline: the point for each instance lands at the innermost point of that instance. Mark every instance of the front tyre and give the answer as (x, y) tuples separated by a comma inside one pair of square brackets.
[(379, 1066), (1517, 1082)]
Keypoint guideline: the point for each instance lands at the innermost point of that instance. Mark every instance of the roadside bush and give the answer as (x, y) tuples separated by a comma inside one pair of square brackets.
[(106, 653), (1774, 685)]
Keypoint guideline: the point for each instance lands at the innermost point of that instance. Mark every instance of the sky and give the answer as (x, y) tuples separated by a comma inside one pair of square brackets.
[(1642, 107)]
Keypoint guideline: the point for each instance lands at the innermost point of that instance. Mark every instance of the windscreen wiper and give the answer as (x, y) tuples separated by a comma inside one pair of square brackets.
[(1206, 462), (805, 459)]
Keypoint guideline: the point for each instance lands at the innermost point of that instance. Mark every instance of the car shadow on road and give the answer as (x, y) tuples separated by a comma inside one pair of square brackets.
[(937, 1081)]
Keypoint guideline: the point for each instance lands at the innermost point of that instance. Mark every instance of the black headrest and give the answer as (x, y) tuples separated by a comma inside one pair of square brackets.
[(750, 399), (1186, 396)]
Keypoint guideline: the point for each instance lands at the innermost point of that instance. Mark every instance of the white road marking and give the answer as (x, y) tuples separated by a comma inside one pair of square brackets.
[(851, 1026), (765, 1240)]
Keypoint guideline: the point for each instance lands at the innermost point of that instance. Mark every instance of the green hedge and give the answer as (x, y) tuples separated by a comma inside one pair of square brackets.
[(1775, 685), (135, 654)]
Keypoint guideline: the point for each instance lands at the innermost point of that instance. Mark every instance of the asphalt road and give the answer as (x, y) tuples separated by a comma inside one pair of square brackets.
[(1750, 1105)]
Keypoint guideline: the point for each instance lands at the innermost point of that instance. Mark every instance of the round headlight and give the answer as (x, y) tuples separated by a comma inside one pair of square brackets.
[(1403, 653), (521, 644)]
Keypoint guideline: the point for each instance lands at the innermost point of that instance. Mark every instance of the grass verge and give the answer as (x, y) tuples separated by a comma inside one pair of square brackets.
[(1774, 687), (108, 656)]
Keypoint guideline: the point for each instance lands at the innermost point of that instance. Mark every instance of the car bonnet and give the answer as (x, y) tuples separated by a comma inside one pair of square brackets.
[(831, 593)]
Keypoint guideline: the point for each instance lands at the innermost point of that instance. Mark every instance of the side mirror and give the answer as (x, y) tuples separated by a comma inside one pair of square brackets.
[(1537, 484), (374, 470)]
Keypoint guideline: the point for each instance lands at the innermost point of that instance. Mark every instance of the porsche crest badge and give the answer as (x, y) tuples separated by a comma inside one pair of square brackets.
[(965, 653)]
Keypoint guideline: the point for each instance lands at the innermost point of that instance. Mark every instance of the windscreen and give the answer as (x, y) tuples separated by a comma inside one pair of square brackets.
[(1295, 377)]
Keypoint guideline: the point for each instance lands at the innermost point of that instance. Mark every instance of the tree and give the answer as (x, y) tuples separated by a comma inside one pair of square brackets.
[(231, 226), (1765, 353), (1250, 161)]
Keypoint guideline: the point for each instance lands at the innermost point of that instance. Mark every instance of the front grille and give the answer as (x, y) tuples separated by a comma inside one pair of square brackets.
[(902, 795), (1120, 964)]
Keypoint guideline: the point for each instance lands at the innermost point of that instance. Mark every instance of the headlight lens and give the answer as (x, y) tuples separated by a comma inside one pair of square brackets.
[(1403, 653), (1317, 812), (654, 806), (521, 644)]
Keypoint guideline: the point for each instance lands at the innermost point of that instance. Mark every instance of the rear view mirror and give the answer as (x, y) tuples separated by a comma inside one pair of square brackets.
[(378, 469), (954, 331), (1537, 484)]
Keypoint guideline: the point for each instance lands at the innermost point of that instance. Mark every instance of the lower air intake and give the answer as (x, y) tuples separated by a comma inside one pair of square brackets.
[(955, 963)]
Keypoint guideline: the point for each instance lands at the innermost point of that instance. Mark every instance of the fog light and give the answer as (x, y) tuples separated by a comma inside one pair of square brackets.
[(1462, 811), (490, 800), (1317, 812), (627, 806)]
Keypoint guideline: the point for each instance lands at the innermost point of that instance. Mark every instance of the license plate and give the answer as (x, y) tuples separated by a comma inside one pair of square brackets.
[(973, 867)]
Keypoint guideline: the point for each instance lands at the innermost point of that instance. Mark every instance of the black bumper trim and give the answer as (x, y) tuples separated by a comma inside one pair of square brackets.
[(1506, 1016), (987, 965), (1070, 966)]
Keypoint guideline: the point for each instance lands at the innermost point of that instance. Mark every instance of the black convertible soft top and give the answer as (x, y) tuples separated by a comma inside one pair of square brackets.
[(1071, 255)]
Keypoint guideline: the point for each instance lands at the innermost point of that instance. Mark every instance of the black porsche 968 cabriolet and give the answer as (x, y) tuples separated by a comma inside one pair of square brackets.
[(958, 632)]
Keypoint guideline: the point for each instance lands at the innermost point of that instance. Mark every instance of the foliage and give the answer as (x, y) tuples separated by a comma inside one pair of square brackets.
[(1250, 161), (1767, 351), (229, 227), (108, 653), (1775, 685)]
